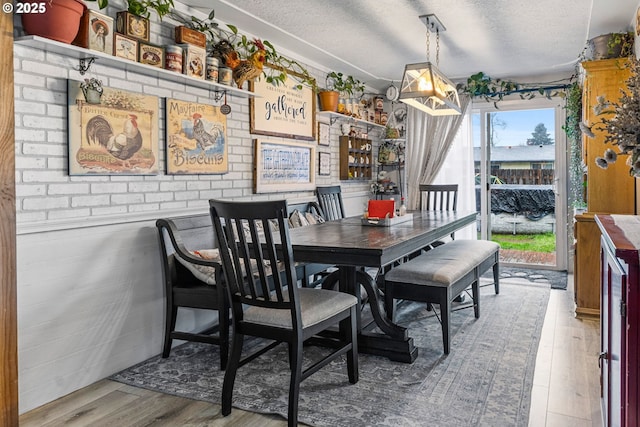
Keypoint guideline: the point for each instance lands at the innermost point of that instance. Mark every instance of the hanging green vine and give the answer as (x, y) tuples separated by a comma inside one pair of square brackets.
[(494, 90), (573, 108)]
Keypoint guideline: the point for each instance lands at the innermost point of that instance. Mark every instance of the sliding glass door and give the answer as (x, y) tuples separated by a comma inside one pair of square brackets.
[(520, 173)]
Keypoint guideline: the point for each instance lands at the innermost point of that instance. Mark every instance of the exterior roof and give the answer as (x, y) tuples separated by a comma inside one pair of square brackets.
[(519, 153)]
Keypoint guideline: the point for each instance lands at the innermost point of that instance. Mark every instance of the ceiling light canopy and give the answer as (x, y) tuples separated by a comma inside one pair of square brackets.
[(424, 86)]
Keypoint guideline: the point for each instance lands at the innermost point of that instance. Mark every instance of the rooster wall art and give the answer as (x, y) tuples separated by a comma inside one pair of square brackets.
[(117, 136), (196, 138)]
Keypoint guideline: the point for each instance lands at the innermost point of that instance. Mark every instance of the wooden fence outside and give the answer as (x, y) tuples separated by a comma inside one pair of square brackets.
[(525, 176)]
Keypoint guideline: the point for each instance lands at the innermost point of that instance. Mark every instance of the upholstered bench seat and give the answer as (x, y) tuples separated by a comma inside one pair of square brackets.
[(440, 275)]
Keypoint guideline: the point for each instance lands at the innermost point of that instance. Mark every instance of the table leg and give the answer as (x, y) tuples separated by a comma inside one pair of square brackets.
[(394, 342)]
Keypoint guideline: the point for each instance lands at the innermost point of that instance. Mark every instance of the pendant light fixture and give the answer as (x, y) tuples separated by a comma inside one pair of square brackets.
[(424, 86)]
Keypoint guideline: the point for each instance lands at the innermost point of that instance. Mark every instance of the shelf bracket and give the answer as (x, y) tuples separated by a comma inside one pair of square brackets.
[(85, 64), (217, 94)]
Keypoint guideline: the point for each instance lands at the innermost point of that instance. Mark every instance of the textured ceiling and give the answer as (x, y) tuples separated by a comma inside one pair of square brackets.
[(373, 40)]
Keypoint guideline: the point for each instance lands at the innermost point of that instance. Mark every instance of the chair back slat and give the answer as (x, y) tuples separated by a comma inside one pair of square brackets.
[(330, 201), (439, 197), (256, 253)]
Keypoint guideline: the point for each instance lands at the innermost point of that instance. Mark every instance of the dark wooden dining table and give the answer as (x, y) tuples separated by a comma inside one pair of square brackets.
[(350, 245)]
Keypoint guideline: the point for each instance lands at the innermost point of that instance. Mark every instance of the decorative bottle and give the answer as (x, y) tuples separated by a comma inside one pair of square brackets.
[(403, 208)]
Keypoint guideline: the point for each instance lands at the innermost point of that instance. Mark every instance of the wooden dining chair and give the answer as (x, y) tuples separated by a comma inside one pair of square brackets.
[(191, 281), (330, 201), (439, 197), (261, 282)]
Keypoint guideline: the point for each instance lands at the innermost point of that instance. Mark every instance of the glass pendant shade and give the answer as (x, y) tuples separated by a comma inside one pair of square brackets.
[(426, 88)]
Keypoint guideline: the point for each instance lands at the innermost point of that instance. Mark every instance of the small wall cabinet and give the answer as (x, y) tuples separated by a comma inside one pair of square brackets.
[(355, 159), (619, 320)]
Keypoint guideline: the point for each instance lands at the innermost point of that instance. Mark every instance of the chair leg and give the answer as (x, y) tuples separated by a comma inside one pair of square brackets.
[(223, 321), (496, 277), (389, 303), (475, 294), (352, 355), (169, 326), (294, 385), (445, 314), (230, 372)]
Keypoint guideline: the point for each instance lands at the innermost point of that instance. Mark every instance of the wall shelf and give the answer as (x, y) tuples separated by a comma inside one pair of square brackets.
[(355, 158), (333, 117), (83, 54)]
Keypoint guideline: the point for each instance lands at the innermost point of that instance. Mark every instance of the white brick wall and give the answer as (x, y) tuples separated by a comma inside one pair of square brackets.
[(41, 138)]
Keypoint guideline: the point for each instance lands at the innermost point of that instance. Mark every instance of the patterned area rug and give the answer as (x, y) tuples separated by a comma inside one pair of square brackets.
[(557, 279), (486, 380)]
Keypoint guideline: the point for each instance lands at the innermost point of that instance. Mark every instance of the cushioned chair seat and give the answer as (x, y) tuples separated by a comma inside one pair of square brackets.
[(316, 305)]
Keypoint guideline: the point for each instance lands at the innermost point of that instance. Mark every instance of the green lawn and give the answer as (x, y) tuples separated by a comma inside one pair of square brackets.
[(545, 242)]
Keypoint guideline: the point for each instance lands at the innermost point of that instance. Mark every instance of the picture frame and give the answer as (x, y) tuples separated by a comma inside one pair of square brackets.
[(132, 26), (112, 137), (324, 164), (151, 54), (324, 134), (96, 32), (125, 47), (283, 166), (196, 138), (282, 110), (193, 61)]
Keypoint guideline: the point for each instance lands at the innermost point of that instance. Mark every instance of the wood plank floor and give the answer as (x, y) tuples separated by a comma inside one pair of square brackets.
[(565, 391)]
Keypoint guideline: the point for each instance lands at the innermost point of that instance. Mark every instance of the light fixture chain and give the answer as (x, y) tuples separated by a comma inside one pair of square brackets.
[(428, 44), (437, 48)]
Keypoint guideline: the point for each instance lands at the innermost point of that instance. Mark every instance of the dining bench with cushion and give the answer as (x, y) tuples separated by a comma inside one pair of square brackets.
[(439, 275)]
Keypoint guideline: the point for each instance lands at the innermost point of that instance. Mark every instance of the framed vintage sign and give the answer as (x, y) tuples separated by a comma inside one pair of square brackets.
[(196, 138), (281, 166), (324, 164), (116, 136), (282, 110)]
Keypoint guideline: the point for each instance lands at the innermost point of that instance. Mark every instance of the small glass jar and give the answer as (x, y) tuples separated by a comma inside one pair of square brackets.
[(225, 75), (212, 69)]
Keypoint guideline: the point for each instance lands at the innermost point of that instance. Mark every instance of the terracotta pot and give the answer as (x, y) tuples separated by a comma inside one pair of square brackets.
[(328, 100), (60, 22)]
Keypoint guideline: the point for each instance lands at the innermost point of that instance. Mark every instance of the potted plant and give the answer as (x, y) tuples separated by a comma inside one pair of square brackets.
[(337, 84), (92, 90), (612, 45), (55, 19), (230, 48)]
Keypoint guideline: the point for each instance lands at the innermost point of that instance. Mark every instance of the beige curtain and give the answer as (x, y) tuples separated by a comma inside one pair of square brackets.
[(428, 141)]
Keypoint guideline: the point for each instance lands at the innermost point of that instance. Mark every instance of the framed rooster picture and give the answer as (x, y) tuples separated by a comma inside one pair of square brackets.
[(116, 136), (282, 110), (196, 138)]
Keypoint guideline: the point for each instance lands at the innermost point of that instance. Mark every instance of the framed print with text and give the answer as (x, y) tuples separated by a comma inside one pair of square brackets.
[(281, 166), (324, 164), (282, 110)]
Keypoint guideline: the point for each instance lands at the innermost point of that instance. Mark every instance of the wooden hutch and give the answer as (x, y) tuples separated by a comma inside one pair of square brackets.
[(610, 190)]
